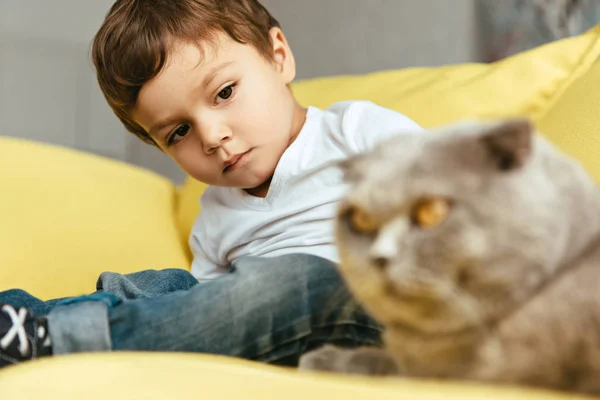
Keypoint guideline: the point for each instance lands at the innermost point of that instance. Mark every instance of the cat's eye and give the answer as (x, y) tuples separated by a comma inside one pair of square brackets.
[(430, 212), (362, 222)]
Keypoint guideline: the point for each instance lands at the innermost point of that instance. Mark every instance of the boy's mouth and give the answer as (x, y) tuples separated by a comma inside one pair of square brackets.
[(236, 161)]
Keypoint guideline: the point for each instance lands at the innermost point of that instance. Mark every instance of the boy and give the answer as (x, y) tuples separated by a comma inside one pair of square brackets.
[(208, 83)]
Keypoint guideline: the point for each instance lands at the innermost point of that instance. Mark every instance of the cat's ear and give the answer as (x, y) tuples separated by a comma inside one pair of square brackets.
[(351, 168), (509, 143)]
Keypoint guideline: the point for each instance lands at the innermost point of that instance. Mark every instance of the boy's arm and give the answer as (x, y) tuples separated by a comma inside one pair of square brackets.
[(203, 268), (366, 124)]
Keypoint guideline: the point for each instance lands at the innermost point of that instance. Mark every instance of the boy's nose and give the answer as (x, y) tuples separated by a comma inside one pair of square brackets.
[(210, 148), (211, 144)]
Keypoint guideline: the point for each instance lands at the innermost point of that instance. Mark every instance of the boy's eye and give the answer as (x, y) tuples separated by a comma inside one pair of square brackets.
[(179, 133), (225, 93)]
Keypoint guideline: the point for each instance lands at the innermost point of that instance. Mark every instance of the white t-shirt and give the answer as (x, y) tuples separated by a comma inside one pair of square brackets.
[(297, 214)]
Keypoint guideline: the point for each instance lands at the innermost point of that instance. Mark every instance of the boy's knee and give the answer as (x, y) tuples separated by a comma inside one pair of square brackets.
[(289, 264), (309, 262), (145, 284), (315, 270), (293, 277), (285, 270)]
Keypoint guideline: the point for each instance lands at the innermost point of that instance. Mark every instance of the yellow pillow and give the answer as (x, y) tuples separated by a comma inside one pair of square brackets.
[(573, 121), (66, 216), (524, 84)]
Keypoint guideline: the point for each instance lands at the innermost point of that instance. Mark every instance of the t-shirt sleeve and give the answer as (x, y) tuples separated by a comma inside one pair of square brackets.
[(366, 124), (203, 268), (204, 265)]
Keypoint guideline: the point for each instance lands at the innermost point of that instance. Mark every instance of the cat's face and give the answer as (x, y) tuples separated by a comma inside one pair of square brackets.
[(445, 230)]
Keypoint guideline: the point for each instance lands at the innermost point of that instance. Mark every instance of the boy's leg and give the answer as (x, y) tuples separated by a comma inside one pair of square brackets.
[(138, 285), (268, 309), (91, 310), (23, 326), (23, 335), (145, 284), (21, 299)]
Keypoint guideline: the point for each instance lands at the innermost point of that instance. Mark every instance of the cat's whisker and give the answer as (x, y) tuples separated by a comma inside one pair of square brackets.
[(468, 307)]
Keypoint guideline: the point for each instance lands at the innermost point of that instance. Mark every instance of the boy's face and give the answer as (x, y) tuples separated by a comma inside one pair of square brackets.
[(226, 114)]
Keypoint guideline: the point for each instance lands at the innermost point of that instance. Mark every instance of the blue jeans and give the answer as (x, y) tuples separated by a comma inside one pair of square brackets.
[(265, 309)]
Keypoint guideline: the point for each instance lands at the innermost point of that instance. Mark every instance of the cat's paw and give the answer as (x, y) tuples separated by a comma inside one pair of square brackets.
[(360, 361)]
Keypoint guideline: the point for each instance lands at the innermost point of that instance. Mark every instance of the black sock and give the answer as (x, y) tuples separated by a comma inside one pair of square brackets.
[(43, 337)]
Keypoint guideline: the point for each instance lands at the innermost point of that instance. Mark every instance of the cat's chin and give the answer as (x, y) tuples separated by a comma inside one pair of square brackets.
[(428, 311), (442, 325)]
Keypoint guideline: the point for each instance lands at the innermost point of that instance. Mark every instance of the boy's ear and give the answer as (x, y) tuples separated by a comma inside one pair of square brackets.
[(510, 143), (282, 55)]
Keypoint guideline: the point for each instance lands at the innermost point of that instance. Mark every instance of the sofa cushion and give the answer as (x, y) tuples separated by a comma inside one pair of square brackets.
[(188, 209), (67, 216), (525, 84), (573, 122), (191, 376)]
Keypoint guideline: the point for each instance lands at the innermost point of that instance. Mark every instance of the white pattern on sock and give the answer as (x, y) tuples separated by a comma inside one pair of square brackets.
[(16, 330), (43, 334)]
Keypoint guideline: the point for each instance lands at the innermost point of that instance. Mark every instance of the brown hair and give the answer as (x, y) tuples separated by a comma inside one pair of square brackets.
[(134, 42)]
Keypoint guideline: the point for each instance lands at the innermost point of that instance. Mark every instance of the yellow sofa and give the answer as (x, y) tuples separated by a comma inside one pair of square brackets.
[(66, 216)]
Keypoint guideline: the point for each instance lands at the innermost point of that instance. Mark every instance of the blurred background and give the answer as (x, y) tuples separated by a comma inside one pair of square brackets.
[(49, 92)]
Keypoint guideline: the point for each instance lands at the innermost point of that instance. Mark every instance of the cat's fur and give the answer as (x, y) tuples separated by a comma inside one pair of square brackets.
[(506, 289)]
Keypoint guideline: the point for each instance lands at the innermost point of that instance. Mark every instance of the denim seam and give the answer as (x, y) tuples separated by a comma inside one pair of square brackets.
[(306, 332), (294, 351)]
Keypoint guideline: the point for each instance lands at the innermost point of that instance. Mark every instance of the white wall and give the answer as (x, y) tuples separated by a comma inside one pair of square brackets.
[(48, 88), (64, 20), (49, 93), (332, 37)]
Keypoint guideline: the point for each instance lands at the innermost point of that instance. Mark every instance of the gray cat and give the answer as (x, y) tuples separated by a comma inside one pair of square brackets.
[(477, 246)]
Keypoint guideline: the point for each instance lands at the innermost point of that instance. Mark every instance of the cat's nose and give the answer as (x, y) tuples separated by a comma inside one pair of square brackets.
[(384, 250), (380, 262)]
